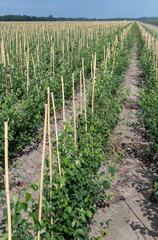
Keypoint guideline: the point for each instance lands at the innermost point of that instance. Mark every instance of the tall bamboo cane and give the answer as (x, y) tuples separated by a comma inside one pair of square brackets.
[(74, 109), (64, 118), (42, 169), (56, 133), (7, 182)]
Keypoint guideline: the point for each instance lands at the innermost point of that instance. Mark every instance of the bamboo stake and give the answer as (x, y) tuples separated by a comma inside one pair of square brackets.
[(42, 169), (106, 64), (74, 110), (4, 62), (93, 85), (156, 60), (28, 81), (80, 92), (104, 53), (7, 182), (56, 133), (53, 61), (34, 67), (49, 138), (84, 91), (50, 151), (71, 55), (64, 119), (51, 53), (68, 49), (63, 50), (91, 70)]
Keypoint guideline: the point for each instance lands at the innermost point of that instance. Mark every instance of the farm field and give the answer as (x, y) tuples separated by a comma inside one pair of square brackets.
[(64, 82), (34, 57), (152, 22), (153, 30)]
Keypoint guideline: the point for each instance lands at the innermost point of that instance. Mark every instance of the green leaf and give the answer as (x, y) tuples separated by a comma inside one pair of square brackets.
[(5, 236), (28, 197), (106, 185), (18, 218), (83, 218), (61, 180), (101, 224), (92, 128), (69, 209), (3, 202), (5, 212), (18, 207), (66, 160), (100, 238), (81, 231), (89, 213), (16, 198), (25, 206), (73, 224), (4, 105), (78, 163), (112, 170), (35, 186), (65, 216), (48, 236)]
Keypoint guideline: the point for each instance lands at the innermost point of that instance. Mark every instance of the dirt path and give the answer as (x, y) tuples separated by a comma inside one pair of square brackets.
[(134, 215)]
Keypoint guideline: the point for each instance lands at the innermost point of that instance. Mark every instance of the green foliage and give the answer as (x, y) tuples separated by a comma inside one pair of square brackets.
[(149, 91), (75, 195), (24, 111)]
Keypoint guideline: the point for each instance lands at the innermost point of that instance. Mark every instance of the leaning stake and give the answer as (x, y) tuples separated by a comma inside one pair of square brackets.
[(50, 150), (56, 133), (42, 169)]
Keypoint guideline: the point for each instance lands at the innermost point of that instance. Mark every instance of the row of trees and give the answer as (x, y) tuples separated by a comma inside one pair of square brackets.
[(34, 18), (51, 18)]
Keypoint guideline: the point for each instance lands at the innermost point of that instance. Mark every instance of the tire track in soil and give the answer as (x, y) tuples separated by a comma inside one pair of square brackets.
[(134, 216)]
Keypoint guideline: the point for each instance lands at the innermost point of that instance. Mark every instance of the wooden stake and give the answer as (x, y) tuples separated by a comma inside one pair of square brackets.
[(50, 150), (42, 169), (93, 85), (49, 138), (63, 50), (34, 67), (53, 61), (28, 83), (104, 53), (91, 70), (74, 109), (80, 92), (56, 133), (156, 60), (64, 119), (7, 182), (84, 91)]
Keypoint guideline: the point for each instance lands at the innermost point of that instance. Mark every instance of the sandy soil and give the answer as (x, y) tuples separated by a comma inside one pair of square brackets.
[(134, 215)]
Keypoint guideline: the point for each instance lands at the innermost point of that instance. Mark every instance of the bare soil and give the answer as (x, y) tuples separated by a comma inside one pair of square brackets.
[(133, 212)]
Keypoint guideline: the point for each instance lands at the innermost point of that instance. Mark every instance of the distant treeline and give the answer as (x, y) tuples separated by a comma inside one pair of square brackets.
[(51, 18), (34, 18), (152, 22)]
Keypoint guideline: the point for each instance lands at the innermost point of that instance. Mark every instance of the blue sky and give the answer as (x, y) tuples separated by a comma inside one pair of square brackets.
[(81, 8)]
